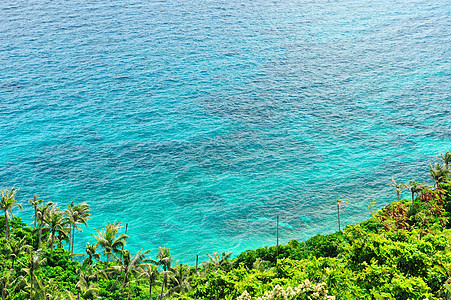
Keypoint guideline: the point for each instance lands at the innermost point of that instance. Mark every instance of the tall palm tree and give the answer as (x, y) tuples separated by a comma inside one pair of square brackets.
[(56, 222), (164, 282), (416, 188), (219, 262), (43, 211), (148, 273), (7, 203), (91, 252), (164, 259), (446, 158), (30, 268), (9, 283), (179, 280), (15, 248), (87, 283), (340, 203), (76, 214), (129, 266), (68, 212), (438, 173), (107, 239), (35, 202), (398, 187)]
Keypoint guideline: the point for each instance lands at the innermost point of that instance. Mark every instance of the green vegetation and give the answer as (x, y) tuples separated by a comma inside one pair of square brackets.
[(402, 252)]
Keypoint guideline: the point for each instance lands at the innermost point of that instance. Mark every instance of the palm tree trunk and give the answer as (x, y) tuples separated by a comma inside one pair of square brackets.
[(338, 214), (161, 294), (70, 231), (40, 235), (150, 290), (277, 245), (53, 240), (73, 238), (31, 279), (35, 216), (162, 285), (6, 224)]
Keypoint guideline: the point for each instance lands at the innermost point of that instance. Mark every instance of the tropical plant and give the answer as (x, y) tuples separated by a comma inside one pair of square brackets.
[(398, 187), (128, 266), (217, 262), (42, 211), (35, 202), (416, 188), (15, 248), (179, 279), (76, 214), (91, 253), (9, 283), (56, 222), (305, 291), (148, 273), (164, 259), (107, 239), (438, 173), (30, 267), (164, 282), (446, 158), (7, 203), (340, 203), (87, 283)]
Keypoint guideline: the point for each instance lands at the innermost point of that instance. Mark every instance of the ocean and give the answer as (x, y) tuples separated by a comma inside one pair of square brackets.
[(198, 122)]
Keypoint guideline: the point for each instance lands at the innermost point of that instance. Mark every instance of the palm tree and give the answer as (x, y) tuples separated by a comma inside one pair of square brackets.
[(438, 173), (56, 222), (129, 265), (107, 239), (30, 268), (446, 158), (88, 289), (7, 203), (164, 282), (398, 187), (416, 187), (164, 259), (51, 291), (42, 210), (35, 202), (9, 283), (76, 214), (69, 212), (15, 248), (219, 262), (91, 253), (148, 272), (179, 279), (340, 203)]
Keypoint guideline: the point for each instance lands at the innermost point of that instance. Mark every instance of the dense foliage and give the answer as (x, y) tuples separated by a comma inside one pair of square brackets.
[(402, 252)]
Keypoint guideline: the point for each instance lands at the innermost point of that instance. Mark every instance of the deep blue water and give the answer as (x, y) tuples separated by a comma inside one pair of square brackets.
[(197, 122)]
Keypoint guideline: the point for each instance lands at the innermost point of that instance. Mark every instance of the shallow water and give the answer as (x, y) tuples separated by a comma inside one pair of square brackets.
[(198, 122)]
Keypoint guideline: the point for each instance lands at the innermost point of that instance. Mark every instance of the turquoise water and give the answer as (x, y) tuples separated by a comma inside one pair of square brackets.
[(197, 122)]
